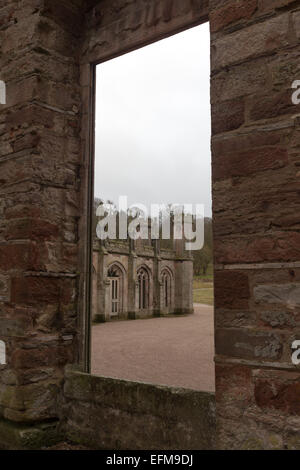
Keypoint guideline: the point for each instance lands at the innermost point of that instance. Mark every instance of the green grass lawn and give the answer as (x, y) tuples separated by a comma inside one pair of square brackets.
[(203, 288)]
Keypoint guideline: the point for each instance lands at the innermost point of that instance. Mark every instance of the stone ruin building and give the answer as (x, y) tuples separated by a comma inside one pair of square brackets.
[(139, 278), (48, 54)]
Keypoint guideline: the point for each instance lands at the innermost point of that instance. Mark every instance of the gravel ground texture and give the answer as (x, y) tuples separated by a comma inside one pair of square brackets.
[(175, 351)]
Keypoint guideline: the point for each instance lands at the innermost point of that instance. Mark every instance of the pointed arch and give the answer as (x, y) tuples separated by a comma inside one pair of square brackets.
[(2, 353), (143, 279), (167, 283), (116, 277), (115, 268)]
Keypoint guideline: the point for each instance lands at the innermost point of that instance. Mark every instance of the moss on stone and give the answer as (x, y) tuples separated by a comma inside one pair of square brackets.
[(22, 437)]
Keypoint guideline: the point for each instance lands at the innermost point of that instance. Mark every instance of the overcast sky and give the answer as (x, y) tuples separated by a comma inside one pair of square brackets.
[(153, 123)]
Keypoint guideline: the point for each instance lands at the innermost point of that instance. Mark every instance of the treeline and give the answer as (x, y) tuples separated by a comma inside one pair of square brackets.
[(203, 258)]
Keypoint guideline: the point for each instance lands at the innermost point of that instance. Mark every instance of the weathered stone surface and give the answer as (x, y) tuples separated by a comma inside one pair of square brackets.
[(17, 437), (43, 179), (275, 247), (14, 326), (234, 318), (234, 390), (4, 288), (31, 229), (272, 105), (42, 290), (231, 290), (32, 403), (283, 294), (278, 319), (261, 38), (176, 418), (42, 357), (284, 397), (296, 19), (245, 163), (265, 137), (250, 436), (137, 25), (260, 426), (39, 161), (248, 344), (13, 256), (227, 116), (256, 221), (244, 209), (279, 391), (265, 6), (231, 12), (230, 84)]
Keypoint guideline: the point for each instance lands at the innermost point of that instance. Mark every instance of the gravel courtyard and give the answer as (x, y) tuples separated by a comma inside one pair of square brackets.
[(174, 351)]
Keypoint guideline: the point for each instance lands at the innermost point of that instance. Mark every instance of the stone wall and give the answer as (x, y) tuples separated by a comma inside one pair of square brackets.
[(39, 203), (115, 28), (115, 414), (256, 207)]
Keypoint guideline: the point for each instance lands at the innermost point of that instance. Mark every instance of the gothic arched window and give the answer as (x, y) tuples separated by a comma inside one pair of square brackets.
[(2, 353), (115, 277), (166, 287), (143, 284)]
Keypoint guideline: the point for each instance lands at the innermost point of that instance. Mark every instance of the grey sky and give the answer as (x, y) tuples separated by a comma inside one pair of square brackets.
[(153, 123)]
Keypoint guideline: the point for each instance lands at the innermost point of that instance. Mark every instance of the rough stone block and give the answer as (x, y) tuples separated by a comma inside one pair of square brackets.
[(269, 106), (227, 116), (18, 437), (231, 12), (278, 319), (31, 229), (14, 326), (14, 256), (234, 390), (247, 434), (282, 294), (111, 402), (248, 344), (250, 140), (238, 81), (42, 357), (278, 247), (296, 19), (42, 290), (245, 163), (231, 290), (278, 390), (266, 7), (4, 288), (260, 38)]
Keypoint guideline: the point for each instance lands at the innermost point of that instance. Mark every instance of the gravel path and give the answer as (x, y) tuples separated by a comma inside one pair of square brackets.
[(176, 351)]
